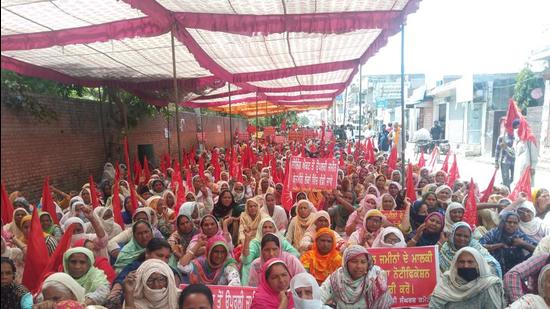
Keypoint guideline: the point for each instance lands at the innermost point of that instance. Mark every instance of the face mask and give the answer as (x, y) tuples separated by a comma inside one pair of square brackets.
[(468, 274)]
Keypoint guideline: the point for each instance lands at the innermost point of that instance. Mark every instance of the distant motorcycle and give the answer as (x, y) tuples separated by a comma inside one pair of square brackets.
[(427, 146)]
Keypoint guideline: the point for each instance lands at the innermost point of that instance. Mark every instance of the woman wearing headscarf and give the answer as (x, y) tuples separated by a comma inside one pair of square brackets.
[(299, 224), (99, 238), (217, 267), (444, 195), (274, 283), (440, 178), (252, 246), (541, 201), (381, 183), (101, 262), (541, 300), (108, 173), (209, 227), (271, 248), (238, 193), (152, 286), (165, 216), (107, 221), (430, 232), (14, 295), (76, 205), (530, 224), (14, 227), (468, 283), (142, 233), (16, 255), (358, 283), (185, 229), (203, 193), (356, 218), (460, 237), (372, 226), (79, 264), (169, 199), (507, 243), (58, 288), (226, 206), (156, 187), (49, 227), (306, 292), (371, 189), (276, 212), (324, 258), (321, 219), (51, 242), (390, 237), (453, 214)]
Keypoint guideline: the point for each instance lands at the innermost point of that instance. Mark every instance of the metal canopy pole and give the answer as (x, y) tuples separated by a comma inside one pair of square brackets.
[(345, 104), (360, 101), (176, 96), (230, 122), (403, 135), (257, 117)]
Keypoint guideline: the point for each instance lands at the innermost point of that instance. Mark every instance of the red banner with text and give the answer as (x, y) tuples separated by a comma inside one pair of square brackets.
[(394, 216), (234, 297), (306, 174), (412, 273), (295, 136)]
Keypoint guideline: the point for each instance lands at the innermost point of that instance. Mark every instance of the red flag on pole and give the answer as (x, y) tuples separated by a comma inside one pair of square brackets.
[(189, 179), (137, 171), (485, 197), (370, 152), (470, 211), (512, 114), (146, 170), (35, 261), (7, 207), (286, 195), (411, 190), (445, 166), (524, 132), (201, 167), (453, 174), (421, 160), (93, 193), (523, 185), (433, 159), (48, 204), (115, 201), (392, 159)]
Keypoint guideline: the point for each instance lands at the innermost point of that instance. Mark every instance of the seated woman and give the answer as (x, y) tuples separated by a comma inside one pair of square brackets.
[(276, 212), (430, 232), (196, 296), (165, 215), (453, 214), (358, 283), (185, 229), (299, 224), (49, 227), (209, 227), (107, 221), (468, 284), (100, 261), (151, 286), (536, 301), (252, 246), (531, 225), (51, 242), (271, 248), (217, 267), (16, 255), (372, 226), (142, 234), (390, 237), (13, 295), (99, 238), (460, 237), (421, 208), (444, 197), (541, 201), (355, 220), (321, 219), (60, 287), (324, 258), (306, 293), (226, 206), (274, 282), (251, 217), (78, 263), (507, 243)]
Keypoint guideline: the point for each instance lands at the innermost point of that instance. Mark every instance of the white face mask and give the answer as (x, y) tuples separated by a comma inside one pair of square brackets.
[(155, 296)]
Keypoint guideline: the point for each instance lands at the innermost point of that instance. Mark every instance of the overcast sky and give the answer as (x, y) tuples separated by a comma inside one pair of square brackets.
[(461, 36)]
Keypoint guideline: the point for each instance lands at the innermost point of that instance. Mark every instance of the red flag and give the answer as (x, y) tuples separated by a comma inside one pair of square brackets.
[(189, 179), (180, 189), (523, 185), (392, 159), (445, 166), (286, 195), (485, 197), (137, 171), (349, 148), (370, 152), (433, 159), (146, 171), (524, 132), (133, 197), (215, 160), (115, 202), (274, 171), (411, 190), (56, 260), (470, 211), (7, 207), (201, 167), (453, 174), (283, 124), (342, 162), (421, 160), (48, 204), (35, 261), (511, 114), (93, 193)]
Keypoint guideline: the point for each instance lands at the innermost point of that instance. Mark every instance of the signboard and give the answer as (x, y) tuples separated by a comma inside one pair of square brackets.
[(269, 131), (296, 136), (412, 273), (307, 174), (234, 297), (279, 139), (394, 216)]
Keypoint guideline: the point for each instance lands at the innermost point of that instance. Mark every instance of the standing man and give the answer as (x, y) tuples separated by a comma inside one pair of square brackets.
[(505, 155), (383, 139), (436, 131)]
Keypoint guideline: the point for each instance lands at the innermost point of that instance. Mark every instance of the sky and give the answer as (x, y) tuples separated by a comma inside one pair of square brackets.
[(467, 36)]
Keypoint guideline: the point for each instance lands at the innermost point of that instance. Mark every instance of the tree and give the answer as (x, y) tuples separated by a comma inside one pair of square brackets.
[(526, 82), (303, 121)]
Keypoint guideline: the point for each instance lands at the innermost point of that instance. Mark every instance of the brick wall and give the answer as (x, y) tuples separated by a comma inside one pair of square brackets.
[(74, 146)]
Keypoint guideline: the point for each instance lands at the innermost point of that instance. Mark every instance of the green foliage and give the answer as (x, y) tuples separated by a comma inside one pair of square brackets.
[(303, 121), (526, 81), (275, 120)]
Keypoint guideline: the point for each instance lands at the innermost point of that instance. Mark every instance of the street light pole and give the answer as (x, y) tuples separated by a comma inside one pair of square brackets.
[(403, 135)]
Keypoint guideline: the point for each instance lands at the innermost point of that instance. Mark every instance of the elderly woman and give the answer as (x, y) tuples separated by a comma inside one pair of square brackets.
[(444, 196), (507, 243), (453, 214), (468, 283), (151, 286), (430, 232), (275, 211), (251, 217), (390, 237), (460, 237), (324, 258), (321, 219), (299, 224), (14, 227), (142, 233), (541, 201), (372, 226), (107, 221), (355, 220), (531, 225), (541, 300), (79, 264), (185, 228), (306, 292), (358, 283), (58, 288)]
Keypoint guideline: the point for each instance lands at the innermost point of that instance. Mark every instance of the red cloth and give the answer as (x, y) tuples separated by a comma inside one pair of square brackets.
[(35, 261), (411, 190), (370, 152), (453, 174), (146, 171), (421, 161), (524, 132), (470, 211), (392, 159), (445, 166), (101, 262), (137, 171), (117, 208), (201, 166), (485, 197), (48, 204), (55, 262), (93, 193), (523, 185), (286, 195), (7, 207), (511, 114)]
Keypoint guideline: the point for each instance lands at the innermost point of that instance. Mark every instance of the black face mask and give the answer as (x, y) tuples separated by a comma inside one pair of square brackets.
[(468, 274)]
